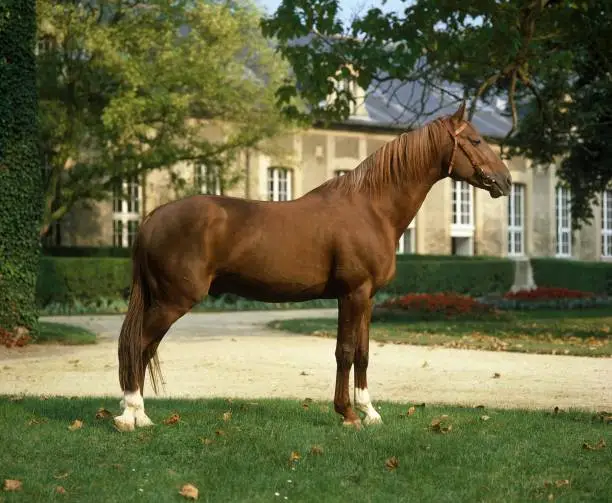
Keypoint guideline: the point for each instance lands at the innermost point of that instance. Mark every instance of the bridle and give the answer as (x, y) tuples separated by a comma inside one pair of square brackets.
[(457, 141)]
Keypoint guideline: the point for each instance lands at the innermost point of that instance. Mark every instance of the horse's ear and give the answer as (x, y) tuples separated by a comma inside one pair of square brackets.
[(459, 115)]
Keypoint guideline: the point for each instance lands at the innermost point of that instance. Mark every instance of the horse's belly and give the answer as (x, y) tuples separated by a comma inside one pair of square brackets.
[(271, 288)]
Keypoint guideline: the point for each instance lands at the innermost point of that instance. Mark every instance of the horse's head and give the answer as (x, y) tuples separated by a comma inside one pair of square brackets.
[(471, 159)]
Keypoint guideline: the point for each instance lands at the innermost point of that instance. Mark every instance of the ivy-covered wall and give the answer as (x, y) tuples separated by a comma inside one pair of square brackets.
[(20, 172)]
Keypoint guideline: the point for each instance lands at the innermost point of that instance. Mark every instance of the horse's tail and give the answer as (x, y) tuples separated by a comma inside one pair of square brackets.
[(130, 339)]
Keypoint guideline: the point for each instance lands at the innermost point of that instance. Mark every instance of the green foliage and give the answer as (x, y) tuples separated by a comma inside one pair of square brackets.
[(550, 60), (593, 277), (127, 88), (471, 277), (87, 251), (67, 279), (20, 176)]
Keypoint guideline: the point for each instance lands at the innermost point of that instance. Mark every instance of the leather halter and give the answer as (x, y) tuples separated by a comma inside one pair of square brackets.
[(468, 154)]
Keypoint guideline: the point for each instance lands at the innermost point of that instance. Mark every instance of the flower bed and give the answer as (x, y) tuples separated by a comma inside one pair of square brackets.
[(544, 297), (543, 292), (446, 304)]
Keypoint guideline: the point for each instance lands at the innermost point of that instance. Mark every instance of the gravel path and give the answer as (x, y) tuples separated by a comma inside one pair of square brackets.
[(236, 355)]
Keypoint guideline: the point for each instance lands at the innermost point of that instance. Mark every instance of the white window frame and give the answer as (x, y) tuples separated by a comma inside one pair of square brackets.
[(606, 224), (202, 175), (462, 192), (516, 220), (280, 184), (563, 221), (462, 222), (401, 244), (126, 212)]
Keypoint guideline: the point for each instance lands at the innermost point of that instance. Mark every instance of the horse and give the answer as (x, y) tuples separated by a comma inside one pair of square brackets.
[(336, 241)]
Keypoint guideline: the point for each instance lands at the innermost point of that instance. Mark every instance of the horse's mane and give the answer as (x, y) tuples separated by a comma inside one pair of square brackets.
[(407, 157)]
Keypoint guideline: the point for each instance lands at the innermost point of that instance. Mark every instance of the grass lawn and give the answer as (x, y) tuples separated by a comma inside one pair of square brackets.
[(59, 333), (584, 332), (277, 450)]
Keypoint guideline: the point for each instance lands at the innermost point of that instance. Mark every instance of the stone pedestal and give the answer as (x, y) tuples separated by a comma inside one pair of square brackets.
[(523, 275)]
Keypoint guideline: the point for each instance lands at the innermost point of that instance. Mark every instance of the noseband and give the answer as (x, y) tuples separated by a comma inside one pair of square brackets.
[(457, 141)]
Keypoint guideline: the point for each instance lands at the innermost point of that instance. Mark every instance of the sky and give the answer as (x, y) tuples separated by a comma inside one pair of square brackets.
[(348, 7)]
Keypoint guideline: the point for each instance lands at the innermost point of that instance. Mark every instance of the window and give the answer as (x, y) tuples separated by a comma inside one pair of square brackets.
[(606, 224), (126, 212), (208, 179), (279, 184), (407, 241), (564, 222), (462, 228), (516, 220)]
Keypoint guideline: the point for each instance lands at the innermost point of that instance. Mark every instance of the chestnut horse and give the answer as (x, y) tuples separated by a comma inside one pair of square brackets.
[(337, 241)]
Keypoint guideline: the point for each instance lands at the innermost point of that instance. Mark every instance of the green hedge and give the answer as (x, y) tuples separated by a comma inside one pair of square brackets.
[(65, 280), (593, 277), (87, 251), (474, 277), (68, 279)]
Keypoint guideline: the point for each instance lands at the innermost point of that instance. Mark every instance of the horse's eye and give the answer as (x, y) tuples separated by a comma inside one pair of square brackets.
[(474, 142)]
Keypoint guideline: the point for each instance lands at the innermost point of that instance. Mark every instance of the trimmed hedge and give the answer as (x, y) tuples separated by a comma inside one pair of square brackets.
[(87, 251), (470, 277), (593, 277), (65, 280), (20, 171)]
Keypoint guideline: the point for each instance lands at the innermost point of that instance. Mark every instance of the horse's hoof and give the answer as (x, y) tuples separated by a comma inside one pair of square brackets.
[(370, 420), (143, 421), (123, 424)]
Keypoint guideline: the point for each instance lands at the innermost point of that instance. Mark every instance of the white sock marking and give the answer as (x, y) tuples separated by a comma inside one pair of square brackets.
[(364, 404), (133, 412)]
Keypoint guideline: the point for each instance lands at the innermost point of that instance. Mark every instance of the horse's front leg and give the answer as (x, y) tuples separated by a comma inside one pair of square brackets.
[(362, 396), (353, 309)]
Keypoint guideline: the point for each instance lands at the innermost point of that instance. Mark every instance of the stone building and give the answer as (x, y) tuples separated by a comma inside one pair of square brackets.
[(454, 219)]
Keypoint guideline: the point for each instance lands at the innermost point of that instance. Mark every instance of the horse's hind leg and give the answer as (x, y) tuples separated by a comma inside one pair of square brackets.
[(157, 321)]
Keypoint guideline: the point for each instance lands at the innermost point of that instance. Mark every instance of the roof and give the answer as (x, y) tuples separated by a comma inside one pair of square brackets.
[(403, 105)]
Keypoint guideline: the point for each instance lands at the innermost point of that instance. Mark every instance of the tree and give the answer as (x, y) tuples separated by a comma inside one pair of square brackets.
[(20, 176), (129, 87), (548, 59)]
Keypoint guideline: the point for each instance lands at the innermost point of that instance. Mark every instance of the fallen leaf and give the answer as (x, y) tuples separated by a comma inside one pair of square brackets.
[(562, 483), (76, 425), (411, 411), (485, 418), (303, 373), (103, 414), (295, 456), (12, 485), (227, 416), (497, 375), (61, 475), (174, 418), (207, 441), (317, 450), (437, 424), (60, 490), (425, 364), (392, 463), (598, 446), (219, 433), (36, 420), (44, 397), (189, 491)]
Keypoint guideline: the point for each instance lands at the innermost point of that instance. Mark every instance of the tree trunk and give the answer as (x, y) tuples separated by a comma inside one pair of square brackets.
[(20, 172)]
